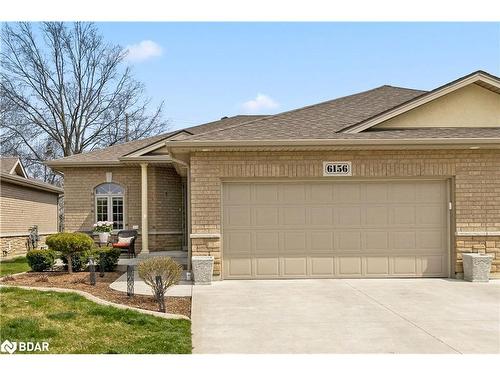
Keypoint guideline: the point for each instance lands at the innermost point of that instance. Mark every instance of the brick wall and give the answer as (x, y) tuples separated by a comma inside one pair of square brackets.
[(164, 198), (15, 246), (476, 176)]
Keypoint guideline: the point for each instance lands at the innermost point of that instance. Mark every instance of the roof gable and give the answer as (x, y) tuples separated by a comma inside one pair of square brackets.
[(13, 166), (472, 106), (462, 95)]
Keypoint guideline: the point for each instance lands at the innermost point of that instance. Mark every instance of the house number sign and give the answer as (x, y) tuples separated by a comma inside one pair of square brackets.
[(337, 168)]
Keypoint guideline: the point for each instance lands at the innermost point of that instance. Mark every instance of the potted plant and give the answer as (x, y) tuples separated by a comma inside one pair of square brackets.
[(103, 229)]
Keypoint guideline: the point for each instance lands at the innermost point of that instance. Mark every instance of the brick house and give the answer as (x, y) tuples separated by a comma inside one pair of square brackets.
[(24, 202), (390, 182)]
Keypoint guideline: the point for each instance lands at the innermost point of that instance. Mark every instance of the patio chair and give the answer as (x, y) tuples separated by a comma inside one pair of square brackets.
[(128, 246)]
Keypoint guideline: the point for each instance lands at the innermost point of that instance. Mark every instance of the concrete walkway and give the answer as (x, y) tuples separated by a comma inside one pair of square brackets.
[(183, 289), (346, 316)]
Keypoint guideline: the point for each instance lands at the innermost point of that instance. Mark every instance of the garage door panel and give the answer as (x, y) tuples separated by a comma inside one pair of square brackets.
[(350, 266), (294, 266), (375, 241), (266, 193), (376, 193), (239, 242), (404, 215), (334, 229), (403, 240), (429, 215), (433, 265), (293, 215), (265, 216), (321, 193), (295, 242), (377, 216), (346, 193), (430, 240), (402, 192), (377, 266), (322, 266), (239, 194), (321, 241), (434, 192), (405, 266), (349, 241), (321, 216), (239, 267), (266, 267), (266, 242), (348, 216), (293, 193)]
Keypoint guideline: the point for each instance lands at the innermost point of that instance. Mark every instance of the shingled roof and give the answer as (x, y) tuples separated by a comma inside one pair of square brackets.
[(113, 153), (318, 121)]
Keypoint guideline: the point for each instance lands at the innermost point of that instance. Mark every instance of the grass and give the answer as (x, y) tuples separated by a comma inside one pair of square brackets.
[(11, 266), (73, 324)]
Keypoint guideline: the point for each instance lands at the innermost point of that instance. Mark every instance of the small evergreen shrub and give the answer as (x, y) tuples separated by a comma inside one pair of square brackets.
[(110, 255), (69, 245), (41, 260)]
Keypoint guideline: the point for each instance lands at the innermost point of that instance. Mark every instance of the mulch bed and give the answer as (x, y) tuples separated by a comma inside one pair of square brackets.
[(81, 281)]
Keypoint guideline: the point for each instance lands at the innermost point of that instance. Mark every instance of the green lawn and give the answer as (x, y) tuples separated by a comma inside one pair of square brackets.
[(73, 324), (16, 265)]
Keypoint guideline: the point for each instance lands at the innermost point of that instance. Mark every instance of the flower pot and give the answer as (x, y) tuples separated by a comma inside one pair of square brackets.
[(103, 237), (203, 267), (477, 267)]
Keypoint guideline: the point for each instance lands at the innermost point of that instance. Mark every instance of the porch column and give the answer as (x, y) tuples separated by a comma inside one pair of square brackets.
[(144, 209)]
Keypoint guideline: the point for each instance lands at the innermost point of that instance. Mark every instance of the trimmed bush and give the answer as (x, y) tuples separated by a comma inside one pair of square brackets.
[(111, 256), (41, 260), (169, 270), (70, 244)]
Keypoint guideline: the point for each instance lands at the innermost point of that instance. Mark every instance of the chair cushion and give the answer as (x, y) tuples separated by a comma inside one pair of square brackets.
[(125, 240), (121, 245)]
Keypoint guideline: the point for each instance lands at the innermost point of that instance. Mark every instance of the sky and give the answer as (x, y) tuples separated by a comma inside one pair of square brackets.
[(204, 71)]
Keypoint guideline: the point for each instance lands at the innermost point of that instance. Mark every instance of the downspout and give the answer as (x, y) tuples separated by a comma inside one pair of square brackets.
[(188, 193)]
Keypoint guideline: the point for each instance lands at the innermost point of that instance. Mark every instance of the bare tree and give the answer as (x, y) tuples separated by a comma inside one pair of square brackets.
[(65, 91)]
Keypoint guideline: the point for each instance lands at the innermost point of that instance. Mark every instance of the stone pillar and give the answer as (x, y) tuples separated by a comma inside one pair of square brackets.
[(144, 209)]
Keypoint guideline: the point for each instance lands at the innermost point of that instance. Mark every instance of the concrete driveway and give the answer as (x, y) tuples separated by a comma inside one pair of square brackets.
[(347, 316)]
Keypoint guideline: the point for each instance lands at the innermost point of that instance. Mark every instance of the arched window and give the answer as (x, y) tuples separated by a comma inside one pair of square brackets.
[(109, 204)]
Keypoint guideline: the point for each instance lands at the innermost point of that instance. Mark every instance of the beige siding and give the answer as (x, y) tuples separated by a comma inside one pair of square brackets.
[(22, 207), (475, 175), (165, 197), (471, 106)]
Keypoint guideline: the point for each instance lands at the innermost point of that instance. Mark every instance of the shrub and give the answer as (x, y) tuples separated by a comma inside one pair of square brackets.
[(41, 260), (169, 270), (78, 260), (69, 244), (110, 255)]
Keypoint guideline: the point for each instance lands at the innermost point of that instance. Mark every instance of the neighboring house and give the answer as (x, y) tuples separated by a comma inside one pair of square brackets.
[(24, 202), (390, 182)]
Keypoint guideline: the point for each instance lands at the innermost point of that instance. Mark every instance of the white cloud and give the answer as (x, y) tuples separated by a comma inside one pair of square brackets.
[(261, 102), (143, 50)]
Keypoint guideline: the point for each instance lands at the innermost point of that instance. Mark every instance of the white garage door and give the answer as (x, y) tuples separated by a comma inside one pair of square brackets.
[(319, 229)]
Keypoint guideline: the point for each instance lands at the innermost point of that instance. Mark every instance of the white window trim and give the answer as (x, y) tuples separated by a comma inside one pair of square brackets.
[(109, 198)]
